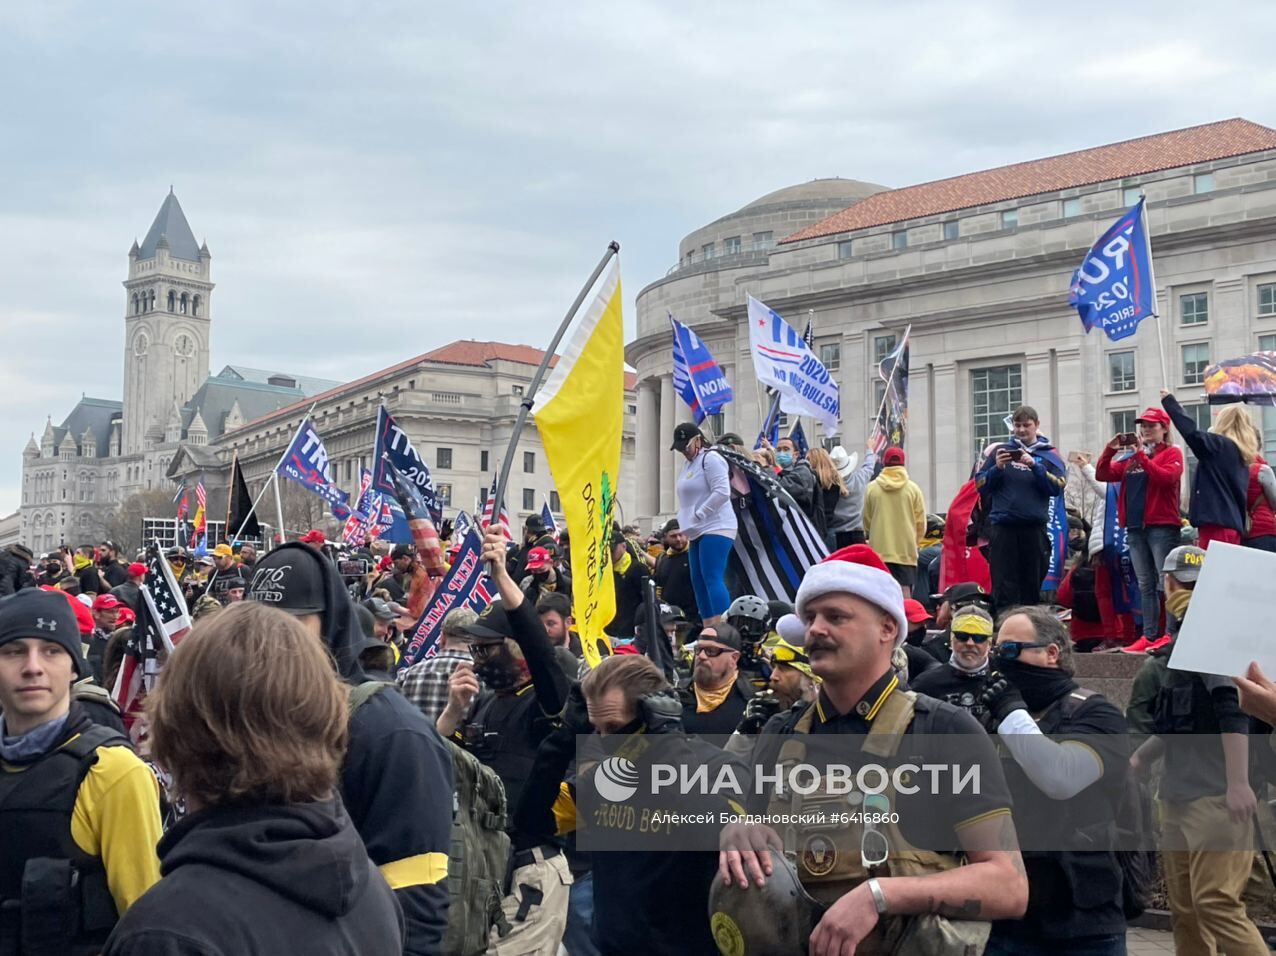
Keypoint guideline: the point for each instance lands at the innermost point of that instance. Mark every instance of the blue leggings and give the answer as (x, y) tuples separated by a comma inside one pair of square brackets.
[(709, 554)]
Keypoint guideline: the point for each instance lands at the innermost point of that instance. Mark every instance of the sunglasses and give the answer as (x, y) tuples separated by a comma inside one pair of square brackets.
[(480, 651), (967, 636), (1010, 650), (786, 655), (875, 849), (711, 652)]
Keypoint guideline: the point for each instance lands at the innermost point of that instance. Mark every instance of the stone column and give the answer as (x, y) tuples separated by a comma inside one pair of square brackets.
[(647, 453), (665, 461), (950, 428)]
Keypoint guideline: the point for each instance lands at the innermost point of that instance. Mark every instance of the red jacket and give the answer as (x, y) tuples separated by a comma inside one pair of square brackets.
[(1261, 520), (1164, 470)]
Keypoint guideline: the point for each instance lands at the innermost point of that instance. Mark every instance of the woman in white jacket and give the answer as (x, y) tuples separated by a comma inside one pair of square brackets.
[(706, 517)]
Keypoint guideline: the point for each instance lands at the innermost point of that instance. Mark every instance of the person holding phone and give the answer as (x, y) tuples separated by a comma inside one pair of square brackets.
[(1017, 482), (1149, 469)]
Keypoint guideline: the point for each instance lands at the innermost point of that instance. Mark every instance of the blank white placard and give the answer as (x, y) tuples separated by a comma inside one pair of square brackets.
[(1229, 622)]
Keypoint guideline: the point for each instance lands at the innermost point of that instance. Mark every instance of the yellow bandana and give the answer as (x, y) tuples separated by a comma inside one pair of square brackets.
[(623, 564), (707, 700)]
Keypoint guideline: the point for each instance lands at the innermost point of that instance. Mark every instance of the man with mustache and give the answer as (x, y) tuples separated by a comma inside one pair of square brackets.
[(853, 611), (524, 690)]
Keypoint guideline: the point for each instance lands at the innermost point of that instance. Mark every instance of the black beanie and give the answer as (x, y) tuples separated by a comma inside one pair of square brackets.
[(41, 615)]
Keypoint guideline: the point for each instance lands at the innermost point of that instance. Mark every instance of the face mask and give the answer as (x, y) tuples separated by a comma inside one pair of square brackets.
[(1040, 686), (784, 458), (500, 672)]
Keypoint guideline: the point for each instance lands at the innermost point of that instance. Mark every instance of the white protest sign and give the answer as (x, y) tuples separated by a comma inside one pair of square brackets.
[(1226, 625)]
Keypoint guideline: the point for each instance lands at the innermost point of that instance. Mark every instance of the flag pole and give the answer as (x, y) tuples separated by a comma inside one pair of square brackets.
[(529, 394), (273, 479), (1160, 336)]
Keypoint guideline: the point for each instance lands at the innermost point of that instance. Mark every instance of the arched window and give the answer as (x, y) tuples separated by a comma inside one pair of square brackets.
[(185, 303), (195, 306), (136, 306), (172, 301), (151, 306)]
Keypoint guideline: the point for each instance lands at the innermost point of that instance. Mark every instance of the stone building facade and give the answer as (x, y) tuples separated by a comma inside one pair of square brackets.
[(979, 266), (457, 403)]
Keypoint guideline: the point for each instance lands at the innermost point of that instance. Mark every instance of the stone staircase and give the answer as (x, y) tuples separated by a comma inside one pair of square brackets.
[(1108, 674)]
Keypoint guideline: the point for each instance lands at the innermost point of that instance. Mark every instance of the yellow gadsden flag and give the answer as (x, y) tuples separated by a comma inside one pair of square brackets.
[(579, 414)]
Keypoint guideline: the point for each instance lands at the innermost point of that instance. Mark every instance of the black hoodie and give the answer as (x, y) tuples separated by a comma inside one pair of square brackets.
[(262, 880), (396, 781)]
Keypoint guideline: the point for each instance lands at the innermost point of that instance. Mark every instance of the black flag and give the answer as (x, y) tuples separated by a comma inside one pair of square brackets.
[(239, 521)]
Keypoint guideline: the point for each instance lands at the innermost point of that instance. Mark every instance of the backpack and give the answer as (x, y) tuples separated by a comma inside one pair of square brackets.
[(478, 855), (1135, 830)]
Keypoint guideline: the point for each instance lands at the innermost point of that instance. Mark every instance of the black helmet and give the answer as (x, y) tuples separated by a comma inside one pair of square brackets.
[(775, 919)]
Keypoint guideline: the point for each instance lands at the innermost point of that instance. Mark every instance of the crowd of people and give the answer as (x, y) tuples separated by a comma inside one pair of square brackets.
[(293, 784)]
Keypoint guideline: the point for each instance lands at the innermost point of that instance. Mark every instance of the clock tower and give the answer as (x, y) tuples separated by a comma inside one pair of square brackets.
[(167, 319)]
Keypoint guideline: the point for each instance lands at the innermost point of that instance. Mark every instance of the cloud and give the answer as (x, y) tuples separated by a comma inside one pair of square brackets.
[(377, 179)]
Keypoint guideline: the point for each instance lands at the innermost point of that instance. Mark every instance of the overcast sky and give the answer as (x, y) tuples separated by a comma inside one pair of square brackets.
[(375, 179)]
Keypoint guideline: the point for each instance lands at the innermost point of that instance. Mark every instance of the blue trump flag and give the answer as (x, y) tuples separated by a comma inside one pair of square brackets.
[(799, 440), (696, 376), (465, 585), (547, 518), (1057, 528), (393, 446), (770, 430), (1113, 288), (1116, 557), (306, 463)]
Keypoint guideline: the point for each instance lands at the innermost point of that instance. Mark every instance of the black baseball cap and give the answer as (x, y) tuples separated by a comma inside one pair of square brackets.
[(42, 615), (492, 625), (683, 434), (401, 551), (730, 438), (966, 592), (290, 579), (722, 634)]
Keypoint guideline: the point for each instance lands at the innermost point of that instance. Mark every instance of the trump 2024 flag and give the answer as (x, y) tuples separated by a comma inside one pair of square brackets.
[(580, 416), (783, 360), (1113, 288)]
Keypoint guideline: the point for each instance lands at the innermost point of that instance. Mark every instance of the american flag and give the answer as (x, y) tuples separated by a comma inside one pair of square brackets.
[(162, 621), (486, 519), (201, 500), (363, 518)]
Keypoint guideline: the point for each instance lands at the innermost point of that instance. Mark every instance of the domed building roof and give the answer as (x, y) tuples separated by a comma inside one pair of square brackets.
[(832, 190)]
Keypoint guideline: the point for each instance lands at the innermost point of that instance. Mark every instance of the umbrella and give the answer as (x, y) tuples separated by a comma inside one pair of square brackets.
[(1251, 378)]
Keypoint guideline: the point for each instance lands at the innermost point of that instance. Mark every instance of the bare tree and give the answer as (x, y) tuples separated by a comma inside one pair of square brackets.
[(303, 510), (123, 523)]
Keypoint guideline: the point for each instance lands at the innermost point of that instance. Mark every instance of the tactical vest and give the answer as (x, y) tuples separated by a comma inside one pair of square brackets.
[(478, 849), (828, 857), (54, 898)]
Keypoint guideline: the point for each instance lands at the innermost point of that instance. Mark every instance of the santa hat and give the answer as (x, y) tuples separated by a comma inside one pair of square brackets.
[(856, 569)]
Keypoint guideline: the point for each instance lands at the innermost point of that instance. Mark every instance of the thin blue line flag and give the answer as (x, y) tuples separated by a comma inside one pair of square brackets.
[(1112, 288), (697, 377)]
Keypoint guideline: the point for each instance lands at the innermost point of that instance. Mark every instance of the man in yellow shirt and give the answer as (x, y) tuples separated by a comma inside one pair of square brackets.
[(895, 519), (79, 812)]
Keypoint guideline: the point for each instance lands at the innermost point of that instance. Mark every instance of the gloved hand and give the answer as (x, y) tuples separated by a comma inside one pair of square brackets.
[(661, 713), (575, 715), (1000, 700), (445, 529), (760, 708)]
